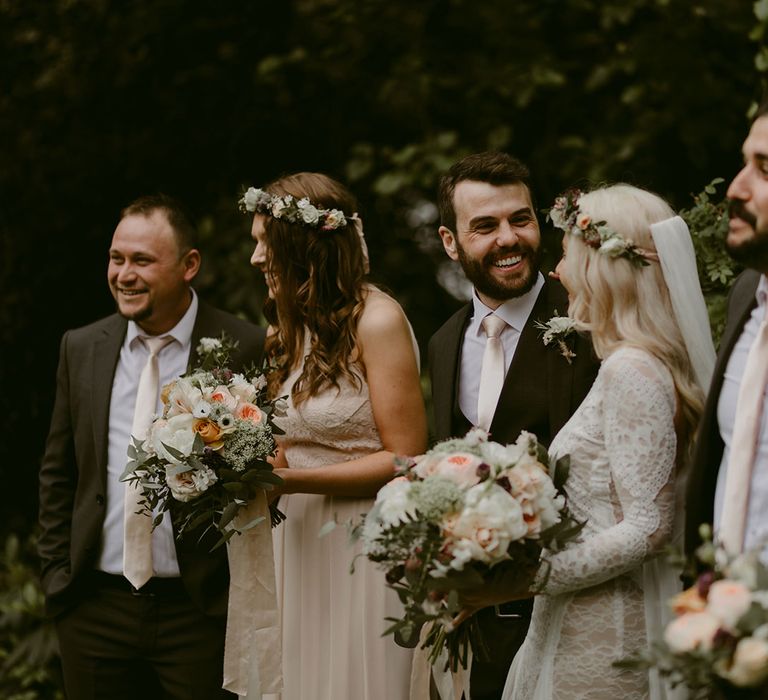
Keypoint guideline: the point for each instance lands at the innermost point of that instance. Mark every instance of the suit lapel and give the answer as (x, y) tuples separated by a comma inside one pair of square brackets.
[(106, 352), (445, 370)]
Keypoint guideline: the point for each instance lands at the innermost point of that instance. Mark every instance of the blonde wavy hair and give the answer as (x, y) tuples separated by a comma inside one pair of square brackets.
[(320, 290), (619, 303)]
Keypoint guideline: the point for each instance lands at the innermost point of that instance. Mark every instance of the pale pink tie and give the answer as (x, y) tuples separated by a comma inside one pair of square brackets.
[(137, 527), (492, 372), (746, 429)]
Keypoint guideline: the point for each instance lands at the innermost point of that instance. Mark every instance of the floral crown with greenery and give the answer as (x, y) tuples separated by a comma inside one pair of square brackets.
[(292, 210), (567, 216)]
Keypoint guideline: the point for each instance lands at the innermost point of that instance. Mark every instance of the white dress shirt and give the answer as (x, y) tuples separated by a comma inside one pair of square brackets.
[(756, 532), (172, 360), (515, 312)]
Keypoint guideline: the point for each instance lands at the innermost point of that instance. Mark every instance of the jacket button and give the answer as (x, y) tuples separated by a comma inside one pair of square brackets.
[(100, 500)]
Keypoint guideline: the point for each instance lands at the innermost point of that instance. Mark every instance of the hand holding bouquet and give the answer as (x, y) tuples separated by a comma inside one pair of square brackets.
[(207, 455), (466, 510)]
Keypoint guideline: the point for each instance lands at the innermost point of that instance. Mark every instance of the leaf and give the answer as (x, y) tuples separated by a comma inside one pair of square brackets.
[(326, 529), (227, 516)]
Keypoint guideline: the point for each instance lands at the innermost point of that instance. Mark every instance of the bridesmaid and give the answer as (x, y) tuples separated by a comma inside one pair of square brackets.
[(345, 358)]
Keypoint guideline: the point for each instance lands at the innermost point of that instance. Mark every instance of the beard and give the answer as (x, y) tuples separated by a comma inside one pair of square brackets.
[(752, 252), (477, 272)]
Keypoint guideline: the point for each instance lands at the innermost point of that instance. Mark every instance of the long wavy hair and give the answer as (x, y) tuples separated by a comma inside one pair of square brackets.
[(619, 303), (319, 289)]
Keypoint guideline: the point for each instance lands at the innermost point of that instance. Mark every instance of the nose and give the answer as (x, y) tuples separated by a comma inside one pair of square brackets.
[(558, 269), (739, 187), (506, 236), (259, 256), (126, 273)]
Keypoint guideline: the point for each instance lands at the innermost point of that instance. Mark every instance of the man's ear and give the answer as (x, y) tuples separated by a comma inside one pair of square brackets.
[(449, 242), (191, 264)]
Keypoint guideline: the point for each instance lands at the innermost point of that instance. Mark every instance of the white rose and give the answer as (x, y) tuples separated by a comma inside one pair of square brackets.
[(209, 344), (489, 522), (250, 199), (728, 601), (310, 214), (259, 382), (187, 485), (691, 631), (613, 247), (176, 432), (241, 388), (335, 219), (279, 206), (394, 503), (182, 397), (750, 663)]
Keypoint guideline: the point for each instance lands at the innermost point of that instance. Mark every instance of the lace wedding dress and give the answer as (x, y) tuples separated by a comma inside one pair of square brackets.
[(606, 594), (332, 621)]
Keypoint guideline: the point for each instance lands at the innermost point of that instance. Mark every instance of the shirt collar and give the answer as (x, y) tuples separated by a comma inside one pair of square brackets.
[(514, 311), (181, 332)]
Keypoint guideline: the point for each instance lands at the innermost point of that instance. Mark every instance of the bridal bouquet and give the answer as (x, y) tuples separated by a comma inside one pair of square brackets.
[(717, 642), (207, 453), (467, 508)]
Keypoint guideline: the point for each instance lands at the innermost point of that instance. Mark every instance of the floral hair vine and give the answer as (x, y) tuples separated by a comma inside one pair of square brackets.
[(566, 215), (292, 210)]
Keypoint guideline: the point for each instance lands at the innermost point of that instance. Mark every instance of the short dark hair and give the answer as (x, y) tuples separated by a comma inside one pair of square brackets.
[(175, 212), (493, 167)]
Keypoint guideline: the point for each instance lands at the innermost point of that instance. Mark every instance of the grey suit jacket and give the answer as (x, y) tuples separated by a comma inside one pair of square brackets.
[(74, 466), (708, 450)]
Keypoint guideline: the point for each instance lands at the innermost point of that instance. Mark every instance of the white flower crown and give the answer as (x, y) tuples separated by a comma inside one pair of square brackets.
[(292, 210), (566, 215)]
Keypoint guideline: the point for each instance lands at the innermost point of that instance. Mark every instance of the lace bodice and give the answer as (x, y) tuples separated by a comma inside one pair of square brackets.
[(622, 444)]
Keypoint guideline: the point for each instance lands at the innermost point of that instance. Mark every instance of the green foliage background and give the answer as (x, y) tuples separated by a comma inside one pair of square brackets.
[(103, 101)]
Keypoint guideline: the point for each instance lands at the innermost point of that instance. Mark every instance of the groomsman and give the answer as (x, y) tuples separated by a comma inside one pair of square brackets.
[(138, 614), (512, 382), (728, 485)]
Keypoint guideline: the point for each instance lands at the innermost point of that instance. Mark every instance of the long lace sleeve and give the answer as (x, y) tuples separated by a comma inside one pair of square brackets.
[(634, 467)]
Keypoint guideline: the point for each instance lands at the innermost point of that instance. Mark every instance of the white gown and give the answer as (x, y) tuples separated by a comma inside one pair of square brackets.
[(605, 593)]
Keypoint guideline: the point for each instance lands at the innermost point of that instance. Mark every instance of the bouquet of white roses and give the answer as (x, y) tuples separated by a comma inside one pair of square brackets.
[(466, 508), (207, 454), (717, 642)]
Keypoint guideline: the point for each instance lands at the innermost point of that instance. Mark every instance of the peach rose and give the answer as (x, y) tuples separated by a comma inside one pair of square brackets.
[(728, 601), (249, 411), (691, 631), (583, 221), (750, 662), (460, 468), (209, 431), (223, 395)]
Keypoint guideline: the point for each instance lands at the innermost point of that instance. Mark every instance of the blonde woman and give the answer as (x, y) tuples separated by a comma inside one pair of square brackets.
[(345, 358), (630, 273)]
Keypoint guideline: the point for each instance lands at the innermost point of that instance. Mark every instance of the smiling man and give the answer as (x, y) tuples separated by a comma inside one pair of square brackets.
[(728, 485), (489, 225), (161, 633)]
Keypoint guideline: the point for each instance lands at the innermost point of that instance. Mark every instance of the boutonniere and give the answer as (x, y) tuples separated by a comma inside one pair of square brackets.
[(556, 330)]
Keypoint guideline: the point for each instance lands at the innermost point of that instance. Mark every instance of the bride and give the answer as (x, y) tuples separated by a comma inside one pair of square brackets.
[(629, 269), (345, 357)]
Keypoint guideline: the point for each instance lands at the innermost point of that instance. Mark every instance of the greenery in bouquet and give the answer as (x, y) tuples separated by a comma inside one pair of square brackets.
[(206, 456), (468, 509), (716, 643)]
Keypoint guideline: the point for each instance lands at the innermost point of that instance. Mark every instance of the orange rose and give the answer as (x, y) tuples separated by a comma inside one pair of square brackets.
[(209, 431), (687, 601), (249, 411)]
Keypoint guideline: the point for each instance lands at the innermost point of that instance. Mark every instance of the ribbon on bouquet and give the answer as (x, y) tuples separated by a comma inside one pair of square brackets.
[(252, 651), (449, 685)]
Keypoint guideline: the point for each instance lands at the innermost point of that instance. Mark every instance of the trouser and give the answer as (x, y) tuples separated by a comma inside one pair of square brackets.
[(154, 644)]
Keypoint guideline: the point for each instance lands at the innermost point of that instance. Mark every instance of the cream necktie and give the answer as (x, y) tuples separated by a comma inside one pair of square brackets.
[(492, 372), (137, 527), (746, 429)]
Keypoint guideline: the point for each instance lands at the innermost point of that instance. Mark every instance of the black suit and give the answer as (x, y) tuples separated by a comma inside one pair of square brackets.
[(708, 451), (74, 467), (541, 391)]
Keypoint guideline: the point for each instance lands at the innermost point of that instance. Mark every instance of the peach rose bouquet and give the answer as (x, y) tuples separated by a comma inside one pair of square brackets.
[(466, 508), (716, 643), (206, 455)]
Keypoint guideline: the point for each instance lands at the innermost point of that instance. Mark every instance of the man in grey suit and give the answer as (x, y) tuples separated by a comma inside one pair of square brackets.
[(747, 242), (166, 638), (489, 225)]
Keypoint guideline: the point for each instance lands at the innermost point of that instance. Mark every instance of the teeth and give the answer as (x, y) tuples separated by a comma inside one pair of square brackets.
[(506, 262)]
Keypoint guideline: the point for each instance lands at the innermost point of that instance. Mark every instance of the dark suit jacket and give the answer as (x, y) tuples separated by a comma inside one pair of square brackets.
[(708, 451), (541, 390), (74, 467)]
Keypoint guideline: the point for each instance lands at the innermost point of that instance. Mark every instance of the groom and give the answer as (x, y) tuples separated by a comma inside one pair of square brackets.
[(489, 225), (726, 409), (163, 638)]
